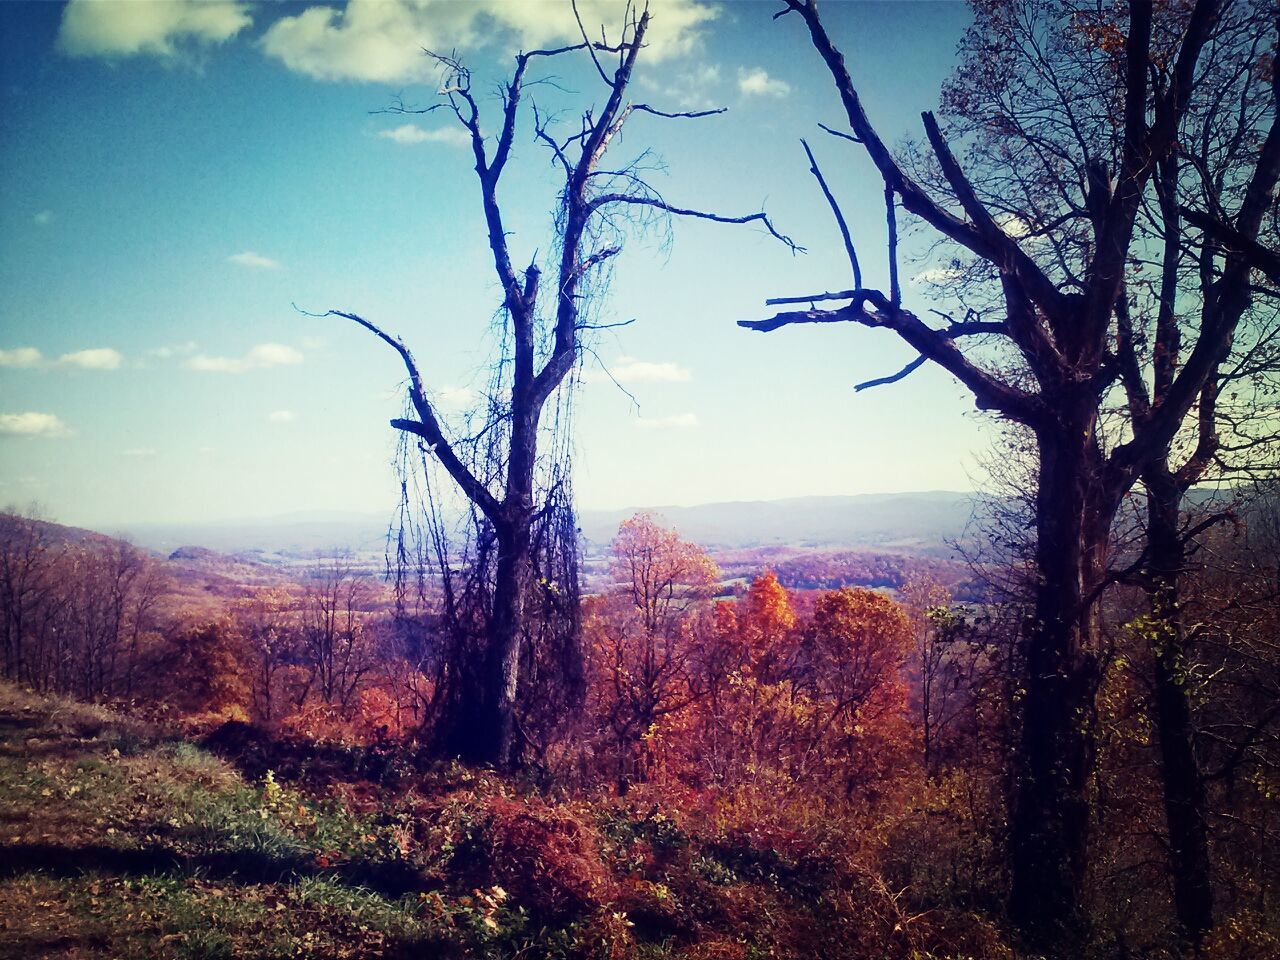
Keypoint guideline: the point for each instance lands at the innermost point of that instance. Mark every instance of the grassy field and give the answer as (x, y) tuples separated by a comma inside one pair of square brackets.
[(118, 842)]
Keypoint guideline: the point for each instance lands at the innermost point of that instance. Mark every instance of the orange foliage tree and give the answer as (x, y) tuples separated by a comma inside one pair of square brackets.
[(209, 679), (850, 682), (745, 661), (803, 707), (639, 641)]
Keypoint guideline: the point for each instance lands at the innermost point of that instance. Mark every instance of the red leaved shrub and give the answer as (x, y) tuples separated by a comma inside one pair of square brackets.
[(546, 856)]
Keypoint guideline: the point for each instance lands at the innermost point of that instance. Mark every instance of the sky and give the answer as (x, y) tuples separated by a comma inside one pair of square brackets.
[(179, 181)]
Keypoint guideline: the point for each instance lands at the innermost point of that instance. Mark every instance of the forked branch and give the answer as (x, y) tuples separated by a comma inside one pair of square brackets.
[(427, 426)]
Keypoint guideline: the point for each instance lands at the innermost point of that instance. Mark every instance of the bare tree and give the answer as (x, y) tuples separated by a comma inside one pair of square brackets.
[(334, 647), (269, 627), (520, 503), (26, 560), (1068, 114)]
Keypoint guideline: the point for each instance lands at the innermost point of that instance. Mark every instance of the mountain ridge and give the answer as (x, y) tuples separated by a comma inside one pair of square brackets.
[(916, 521)]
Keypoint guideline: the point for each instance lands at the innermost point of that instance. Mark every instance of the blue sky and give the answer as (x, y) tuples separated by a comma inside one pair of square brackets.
[(176, 175)]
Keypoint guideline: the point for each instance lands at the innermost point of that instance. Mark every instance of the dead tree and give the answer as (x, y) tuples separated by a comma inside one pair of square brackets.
[(1049, 225), (498, 468)]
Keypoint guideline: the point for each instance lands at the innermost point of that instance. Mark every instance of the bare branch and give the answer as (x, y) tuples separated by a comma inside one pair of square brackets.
[(839, 133), (587, 43), (813, 298), (836, 212), (902, 374), (891, 221), (606, 326), (678, 115), (1260, 257), (989, 392), (427, 425), (659, 204), (914, 199)]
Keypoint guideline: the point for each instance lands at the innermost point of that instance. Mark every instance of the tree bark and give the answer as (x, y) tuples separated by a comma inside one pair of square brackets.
[(503, 668), (1183, 783), (1050, 821)]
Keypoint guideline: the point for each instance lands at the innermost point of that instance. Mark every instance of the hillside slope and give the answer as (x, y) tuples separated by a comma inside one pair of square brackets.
[(125, 841)]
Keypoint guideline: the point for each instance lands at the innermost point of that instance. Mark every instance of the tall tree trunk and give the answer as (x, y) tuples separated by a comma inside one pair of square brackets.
[(1050, 823), (502, 670), (1184, 791)]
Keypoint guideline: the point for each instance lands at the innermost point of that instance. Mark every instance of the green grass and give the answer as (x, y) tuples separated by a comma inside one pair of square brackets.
[(118, 842)]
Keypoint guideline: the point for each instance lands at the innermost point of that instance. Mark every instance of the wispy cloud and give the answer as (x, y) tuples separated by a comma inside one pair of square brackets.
[(677, 421), (938, 276), (692, 88), (94, 358), (21, 357), (32, 424), (382, 42), (170, 350), (43, 218), (98, 358), (756, 82), (140, 452), (632, 370), (262, 356), (1014, 225), (255, 261), (409, 133), (158, 28), (282, 416), (453, 398)]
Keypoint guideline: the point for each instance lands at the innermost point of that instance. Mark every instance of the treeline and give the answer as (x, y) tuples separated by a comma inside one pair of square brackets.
[(830, 570), (101, 620), (78, 617)]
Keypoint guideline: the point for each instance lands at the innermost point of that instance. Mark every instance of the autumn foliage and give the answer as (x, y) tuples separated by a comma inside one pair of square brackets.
[(815, 772), (746, 700)]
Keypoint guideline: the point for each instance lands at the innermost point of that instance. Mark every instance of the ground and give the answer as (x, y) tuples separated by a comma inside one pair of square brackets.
[(119, 842), (120, 839)]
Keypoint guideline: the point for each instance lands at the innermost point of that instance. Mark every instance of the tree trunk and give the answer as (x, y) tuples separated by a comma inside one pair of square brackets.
[(1050, 822), (502, 671), (1184, 791)]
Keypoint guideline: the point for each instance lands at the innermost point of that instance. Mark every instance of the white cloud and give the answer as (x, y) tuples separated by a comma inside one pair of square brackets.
[(631, 370), (172, 350), (678, 421), (939, 276), (453, 398), (141, 452), (282, 416), (258, 358), (32, 425), (756, 82), (382, 40), (1017, 227), (254, 260), (98, 358), (160, 28), (43, 218), (21, 357), (692, 88), (412, 133)]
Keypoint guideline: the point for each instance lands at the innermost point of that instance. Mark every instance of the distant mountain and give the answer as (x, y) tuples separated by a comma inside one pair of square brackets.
[(908, 521), (269, 539), (913, 522)]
